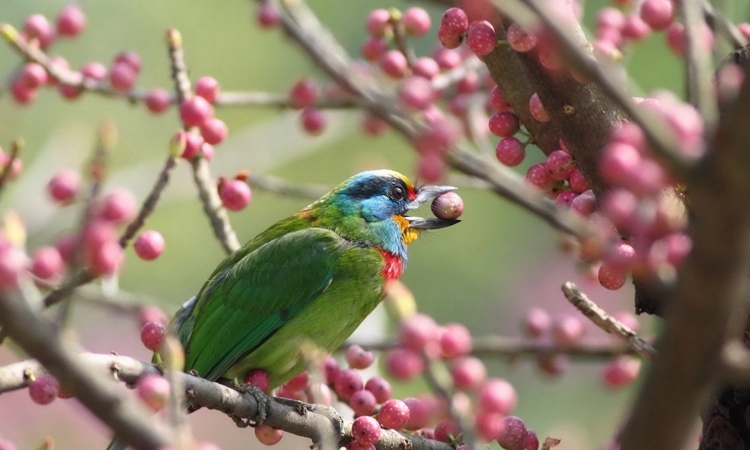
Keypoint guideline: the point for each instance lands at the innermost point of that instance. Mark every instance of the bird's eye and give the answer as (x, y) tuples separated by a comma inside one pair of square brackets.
[(396, 193)]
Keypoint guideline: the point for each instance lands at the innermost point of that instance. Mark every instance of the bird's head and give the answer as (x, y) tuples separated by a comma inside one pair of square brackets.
[(374, 206)]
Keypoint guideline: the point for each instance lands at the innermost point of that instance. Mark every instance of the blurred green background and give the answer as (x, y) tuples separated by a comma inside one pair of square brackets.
[(484, 273)]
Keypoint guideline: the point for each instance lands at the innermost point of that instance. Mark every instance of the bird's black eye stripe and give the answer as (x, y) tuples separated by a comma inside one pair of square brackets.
[(396, 193)]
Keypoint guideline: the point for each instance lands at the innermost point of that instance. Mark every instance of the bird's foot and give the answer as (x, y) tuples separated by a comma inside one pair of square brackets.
[(261, 398)]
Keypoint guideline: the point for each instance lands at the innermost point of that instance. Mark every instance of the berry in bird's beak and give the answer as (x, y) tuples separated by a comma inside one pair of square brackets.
[(425, 194)]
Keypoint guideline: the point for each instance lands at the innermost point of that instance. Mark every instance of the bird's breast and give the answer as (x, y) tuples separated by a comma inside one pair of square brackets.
[(393, 267)]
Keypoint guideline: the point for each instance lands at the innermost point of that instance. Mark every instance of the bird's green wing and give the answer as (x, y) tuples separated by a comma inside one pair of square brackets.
[(242, 306)]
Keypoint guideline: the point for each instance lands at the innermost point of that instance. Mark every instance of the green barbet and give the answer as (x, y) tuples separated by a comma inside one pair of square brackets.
[(306, 282)]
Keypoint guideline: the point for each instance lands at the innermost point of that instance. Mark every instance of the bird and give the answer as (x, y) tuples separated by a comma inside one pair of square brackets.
[(310, 278)]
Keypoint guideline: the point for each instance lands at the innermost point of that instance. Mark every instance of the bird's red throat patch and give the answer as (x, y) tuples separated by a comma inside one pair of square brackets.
[(393, 267)]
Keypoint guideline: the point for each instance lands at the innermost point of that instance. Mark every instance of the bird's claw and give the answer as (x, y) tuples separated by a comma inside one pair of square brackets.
[(261, 398)]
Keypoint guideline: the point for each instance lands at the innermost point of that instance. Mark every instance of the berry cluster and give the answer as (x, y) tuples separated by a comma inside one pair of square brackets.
[(566, 331)]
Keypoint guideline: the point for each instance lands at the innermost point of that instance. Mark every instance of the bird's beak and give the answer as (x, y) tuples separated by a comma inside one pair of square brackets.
[(425, 194)]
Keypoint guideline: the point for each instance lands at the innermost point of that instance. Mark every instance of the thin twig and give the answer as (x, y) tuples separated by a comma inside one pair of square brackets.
[(723, 25), (606, 322), (212, 206), (268, 99), (7, 173), (700, 87)]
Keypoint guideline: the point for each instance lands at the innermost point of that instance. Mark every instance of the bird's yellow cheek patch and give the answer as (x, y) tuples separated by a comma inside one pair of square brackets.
[(408, 235)]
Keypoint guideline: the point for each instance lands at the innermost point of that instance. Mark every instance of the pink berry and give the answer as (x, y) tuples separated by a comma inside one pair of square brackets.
[(448, 206), (394, 64), (393, 414), (481, 38), (347, 382), (359, 358), (32, 75), (304, 93), (431, 167), (552, 364), (118, 206), (373, 125), (455, 340), (449, 41), (488, 425), (267, 14), (7, 445), (378, 22), (446, 430), (447, 59), (214, 131), (158, 100), (94, 70), (298, 383), (153, 390), (38, 28), (577, 181), (635, 28), (47, 263), (313, 120), (621, 371), (620, 206), (536, 322), (374, 48), (537, 109), (195, 110), (559, 165), (510, 151), (567, 330), (235, 195), (416, 92), (468, 373), (380, 388), (469, 83), (152, 335), (497, 99), (497, 395), (122, 77), (565, 198), (419, 414), (64, 185), (105, 259), (611, 277), (365, 429), (331, 369), (193, 144), (130, 58), (416, 21), (538, 176), (267, 435), (504, 124), (658, 14), (363, 403), (584, 204), (426, 67), (44, 389), (258, 378), (519, 40), (530, 441), (417, 331), (454, 21), (22, 94), (404, 364), (149, 245), (620, 256), (512, 433), (208, 88), (71, 21)]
